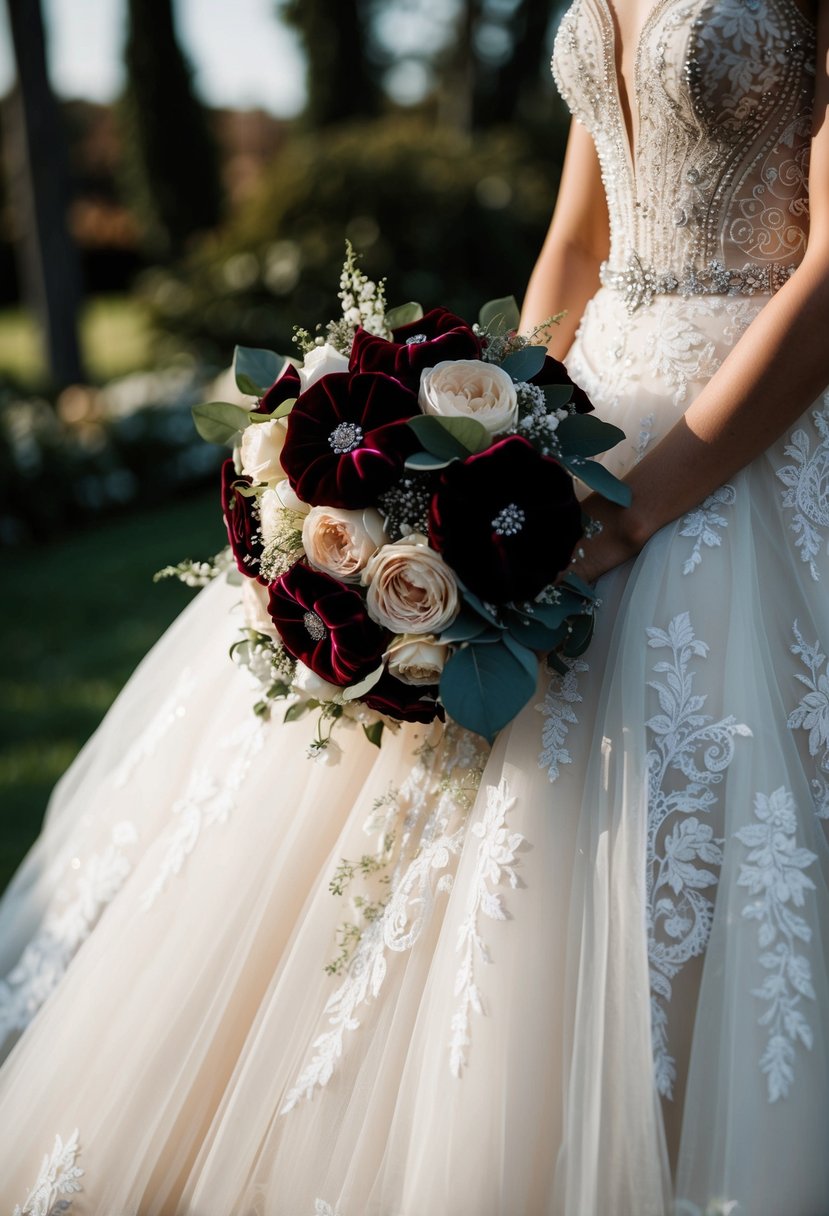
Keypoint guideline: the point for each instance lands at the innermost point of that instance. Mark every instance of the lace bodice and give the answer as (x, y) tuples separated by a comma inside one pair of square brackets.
[(714, 194)]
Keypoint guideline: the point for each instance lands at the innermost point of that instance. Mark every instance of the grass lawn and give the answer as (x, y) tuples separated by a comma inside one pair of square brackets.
[(76, 618), (114, 334)]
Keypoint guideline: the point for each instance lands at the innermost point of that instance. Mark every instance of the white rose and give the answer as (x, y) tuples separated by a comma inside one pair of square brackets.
[(469, 388), (320, 362), (417, 660), (261, 447), (289, 498), (341, 542), (410, 589), (255, 608), (314, 686)]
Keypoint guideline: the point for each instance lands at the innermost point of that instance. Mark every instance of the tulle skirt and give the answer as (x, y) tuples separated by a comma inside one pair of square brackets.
[(584, 973)]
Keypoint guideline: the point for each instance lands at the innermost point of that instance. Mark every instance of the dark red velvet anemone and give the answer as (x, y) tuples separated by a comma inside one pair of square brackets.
[(285, 387), (348, 439), (438, 335), (554, 372), (242, 525), (406, 702), (324, 624), (506, 520)]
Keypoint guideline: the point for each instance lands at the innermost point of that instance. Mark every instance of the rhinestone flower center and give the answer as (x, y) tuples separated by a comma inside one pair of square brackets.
[(345, 437), (416, 339), (313, 624), (510, 520)]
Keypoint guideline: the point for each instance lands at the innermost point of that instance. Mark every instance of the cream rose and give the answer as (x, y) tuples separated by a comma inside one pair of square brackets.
[(320, 362), (255, 608), (417, 660), (341, 542), (314, 686), (261, 447), (289, 498), (410, 588), (468, 388)]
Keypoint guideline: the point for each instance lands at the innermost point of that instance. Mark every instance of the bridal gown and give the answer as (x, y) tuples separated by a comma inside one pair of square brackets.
[(582, 975)]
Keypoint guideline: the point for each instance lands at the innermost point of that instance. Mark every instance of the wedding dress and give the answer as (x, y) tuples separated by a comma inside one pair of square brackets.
[(241, 982)]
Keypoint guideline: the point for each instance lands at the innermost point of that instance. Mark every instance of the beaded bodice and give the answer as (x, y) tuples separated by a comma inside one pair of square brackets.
[(713, 196)]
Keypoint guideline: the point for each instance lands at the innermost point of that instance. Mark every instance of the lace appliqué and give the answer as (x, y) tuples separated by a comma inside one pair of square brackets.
[(58, 1177), (558, 709), (680, 843), (703, 525), (812, 715), (807, 493), (206, 802), (495, 863), (645, 435), (73, 915), (434, 804), (773, 874), (321, 1208), (170, 711)]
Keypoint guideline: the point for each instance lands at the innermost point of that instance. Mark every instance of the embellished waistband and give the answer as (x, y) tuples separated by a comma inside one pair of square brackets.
[(640, 283)]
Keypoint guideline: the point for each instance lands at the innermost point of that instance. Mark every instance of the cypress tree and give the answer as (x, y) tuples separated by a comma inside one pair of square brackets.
[(340, 76)]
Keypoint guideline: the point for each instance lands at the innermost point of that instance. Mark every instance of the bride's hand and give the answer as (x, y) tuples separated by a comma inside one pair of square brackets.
[(619, 539)]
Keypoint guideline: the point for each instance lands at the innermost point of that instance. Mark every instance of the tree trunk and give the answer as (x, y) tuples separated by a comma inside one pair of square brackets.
[(38, 187)]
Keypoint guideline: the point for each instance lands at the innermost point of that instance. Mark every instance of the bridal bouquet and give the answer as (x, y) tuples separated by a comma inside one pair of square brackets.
[(400, 507)]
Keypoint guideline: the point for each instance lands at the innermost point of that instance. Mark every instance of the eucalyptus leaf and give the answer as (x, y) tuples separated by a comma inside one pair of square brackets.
[(256, 369), (500, 316), (523, 654), (484, 687), (450, 438), (374, 733), (524, 364), (477, 605), (219, 421), (579, 635), (532, 633), (587, 435), (424, 462), (556, 664), (466, 626), (579, 586), (557, 396), (403, 314), (598, 478), (281, 411), (355, 691)]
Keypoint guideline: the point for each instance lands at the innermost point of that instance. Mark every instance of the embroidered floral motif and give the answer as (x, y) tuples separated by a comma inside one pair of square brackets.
[(206, 802), (645, 435), (73, 914), (433, 807), (812, 715), (703, 525), (558, 709), (680, 843), (496, 862), (321, 1208), (773, 874), (171, 710), (58, 1177), (807, 493)]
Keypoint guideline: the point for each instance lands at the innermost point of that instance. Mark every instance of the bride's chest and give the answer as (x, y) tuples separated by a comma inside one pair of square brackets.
[(717, 67)]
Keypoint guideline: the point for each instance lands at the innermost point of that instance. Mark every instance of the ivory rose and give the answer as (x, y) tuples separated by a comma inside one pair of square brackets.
[(416, 659), (340, 542), (470, 388), (410, 588), (261, 449), (320, 362), (255, 608)]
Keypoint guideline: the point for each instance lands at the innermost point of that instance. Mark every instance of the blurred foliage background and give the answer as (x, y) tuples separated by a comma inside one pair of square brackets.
[(140, 240)]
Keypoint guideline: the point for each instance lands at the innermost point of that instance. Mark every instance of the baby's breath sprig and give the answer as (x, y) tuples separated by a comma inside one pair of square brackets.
[(193, 573)]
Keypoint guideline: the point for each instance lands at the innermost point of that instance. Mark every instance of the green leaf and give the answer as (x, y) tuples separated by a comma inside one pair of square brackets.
[(256, 369), (450, 438), (557, 396), (500, 316), (534, 634), (374, 733), (403, 314), (579, 635), (219, 421), (587, 435), (466, 626), (477, 605), (556, 664), (598, 478), (424, 462), (281, 411), (294, 712), (484, 687), (579, 586), (524, 655), (355, 691), (524, 364)]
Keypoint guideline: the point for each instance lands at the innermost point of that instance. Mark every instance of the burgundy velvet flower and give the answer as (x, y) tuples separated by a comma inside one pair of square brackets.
[(286, 386), (554, 372), (506, 520), (348, 439), (242, 525), (438, 335), (324, 624), (406, 702)]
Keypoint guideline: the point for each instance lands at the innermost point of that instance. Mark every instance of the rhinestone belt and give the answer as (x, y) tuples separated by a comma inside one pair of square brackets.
[(640, 283)]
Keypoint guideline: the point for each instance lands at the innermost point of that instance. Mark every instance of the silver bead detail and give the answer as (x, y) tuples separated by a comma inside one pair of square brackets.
[(510, 520), (345, 437), (314, 626)]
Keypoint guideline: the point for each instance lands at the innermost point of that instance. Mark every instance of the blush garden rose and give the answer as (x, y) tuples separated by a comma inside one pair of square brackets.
[(342, 542), (467, 388), (410, 588)]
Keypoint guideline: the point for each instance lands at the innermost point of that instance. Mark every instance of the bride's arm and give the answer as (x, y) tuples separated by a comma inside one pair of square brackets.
[(776, 369), (566, 274)]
